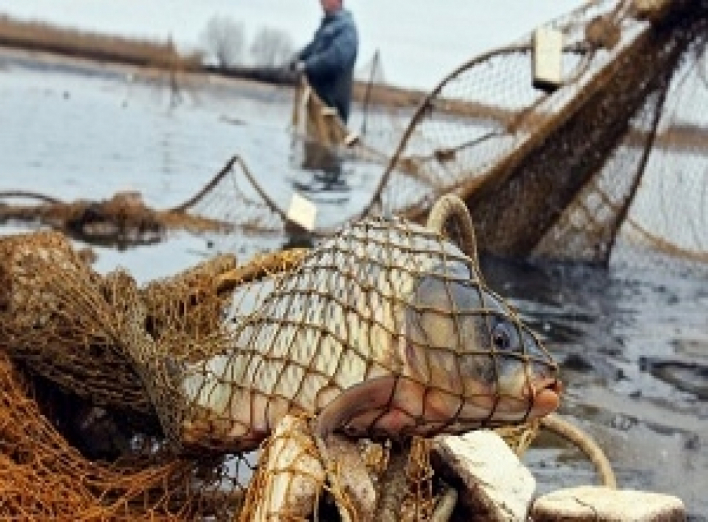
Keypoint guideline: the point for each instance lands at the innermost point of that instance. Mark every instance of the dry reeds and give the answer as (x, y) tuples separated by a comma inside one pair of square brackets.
[(46, 37)]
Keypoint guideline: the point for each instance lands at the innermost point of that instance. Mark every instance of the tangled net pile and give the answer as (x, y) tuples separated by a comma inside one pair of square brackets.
[(122, 403), (80, 438)]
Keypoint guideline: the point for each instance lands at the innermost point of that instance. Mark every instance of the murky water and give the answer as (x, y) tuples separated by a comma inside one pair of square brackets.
[(634, 350), (633, 341)]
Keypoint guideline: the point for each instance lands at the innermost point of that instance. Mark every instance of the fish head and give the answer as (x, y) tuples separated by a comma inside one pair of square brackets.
[(470, 360)]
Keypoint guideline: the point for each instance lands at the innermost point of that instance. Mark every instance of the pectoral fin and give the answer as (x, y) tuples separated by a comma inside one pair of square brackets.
[(374, 394)]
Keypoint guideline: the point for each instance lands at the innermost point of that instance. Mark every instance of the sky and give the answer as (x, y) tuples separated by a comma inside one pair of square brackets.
[(419, 41)]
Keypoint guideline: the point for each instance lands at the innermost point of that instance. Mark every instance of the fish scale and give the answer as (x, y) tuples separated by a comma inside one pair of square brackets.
[(335, 321), (362, 327)]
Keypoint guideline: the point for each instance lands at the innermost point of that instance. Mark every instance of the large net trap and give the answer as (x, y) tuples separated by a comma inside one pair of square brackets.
[(339, 363), (609, 152), (231, 202)]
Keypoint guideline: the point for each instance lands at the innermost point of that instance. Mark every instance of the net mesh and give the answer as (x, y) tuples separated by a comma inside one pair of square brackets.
[(611, 155), (141, 403), (44, 477), (46, 283), (557, 172), (379, 303), (128, 403)]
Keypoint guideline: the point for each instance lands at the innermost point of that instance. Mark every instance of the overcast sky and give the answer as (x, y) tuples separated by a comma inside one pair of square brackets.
[(420, 40)]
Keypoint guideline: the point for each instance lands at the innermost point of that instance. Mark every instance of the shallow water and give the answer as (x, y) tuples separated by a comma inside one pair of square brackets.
[(633, 341)]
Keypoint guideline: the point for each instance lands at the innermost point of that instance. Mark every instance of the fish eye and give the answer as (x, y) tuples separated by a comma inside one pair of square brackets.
[(502, 336)]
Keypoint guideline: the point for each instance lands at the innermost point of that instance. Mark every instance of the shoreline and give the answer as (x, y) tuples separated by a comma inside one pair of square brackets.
[(51, 43)]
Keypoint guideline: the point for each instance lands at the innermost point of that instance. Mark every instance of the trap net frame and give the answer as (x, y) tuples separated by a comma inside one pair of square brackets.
[(567, 172)]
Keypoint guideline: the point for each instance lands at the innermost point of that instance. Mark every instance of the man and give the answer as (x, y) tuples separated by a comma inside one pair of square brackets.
[(328, 61)]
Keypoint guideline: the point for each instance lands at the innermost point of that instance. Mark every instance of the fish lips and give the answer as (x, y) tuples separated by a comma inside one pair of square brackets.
[(543, 396)]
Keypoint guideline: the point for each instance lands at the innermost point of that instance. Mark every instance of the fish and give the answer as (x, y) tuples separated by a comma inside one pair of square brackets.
[(386, 329)]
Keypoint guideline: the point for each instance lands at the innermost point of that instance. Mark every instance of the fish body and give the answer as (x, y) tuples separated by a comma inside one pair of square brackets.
[(386, 329)]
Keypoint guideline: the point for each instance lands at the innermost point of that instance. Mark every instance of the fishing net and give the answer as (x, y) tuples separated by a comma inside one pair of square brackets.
[(81, 438), (118, 221), (379, 303), (45, 285), (232, 201), (609, 155), (43, 477), (170, 441)]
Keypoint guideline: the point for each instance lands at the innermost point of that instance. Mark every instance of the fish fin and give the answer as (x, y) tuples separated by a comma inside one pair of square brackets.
[(362, 397)]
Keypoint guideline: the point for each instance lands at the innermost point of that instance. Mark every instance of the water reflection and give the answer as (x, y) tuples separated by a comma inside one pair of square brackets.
[(325, 165)]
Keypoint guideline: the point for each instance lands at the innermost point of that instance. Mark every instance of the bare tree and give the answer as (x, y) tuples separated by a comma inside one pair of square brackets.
[(271, 48), (224, 41)]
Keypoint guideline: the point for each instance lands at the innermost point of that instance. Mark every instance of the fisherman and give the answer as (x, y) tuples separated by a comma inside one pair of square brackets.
[(328, 61)]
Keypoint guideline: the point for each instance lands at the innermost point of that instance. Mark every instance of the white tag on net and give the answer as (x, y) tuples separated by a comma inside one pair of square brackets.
[(302, 212)]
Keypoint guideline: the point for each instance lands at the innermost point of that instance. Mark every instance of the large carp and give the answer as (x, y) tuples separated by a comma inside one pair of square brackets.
[(386, 329)]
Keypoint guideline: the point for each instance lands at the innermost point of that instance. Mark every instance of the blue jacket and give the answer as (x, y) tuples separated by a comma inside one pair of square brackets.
[(329, 60)]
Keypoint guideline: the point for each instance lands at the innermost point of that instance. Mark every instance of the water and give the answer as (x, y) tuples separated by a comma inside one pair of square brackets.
[(606, 327), (633, 341)]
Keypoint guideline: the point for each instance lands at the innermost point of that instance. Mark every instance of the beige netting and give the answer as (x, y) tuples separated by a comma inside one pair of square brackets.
[(232, 201), (612, 154), (46, 288), (558, 172), (389, 303), (43, 477), (80, 436)]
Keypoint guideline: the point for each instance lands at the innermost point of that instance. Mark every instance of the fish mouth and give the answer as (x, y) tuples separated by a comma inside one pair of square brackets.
[(544, 396)]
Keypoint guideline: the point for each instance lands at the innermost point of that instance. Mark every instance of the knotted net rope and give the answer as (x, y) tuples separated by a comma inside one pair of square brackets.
[(101, 343)]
